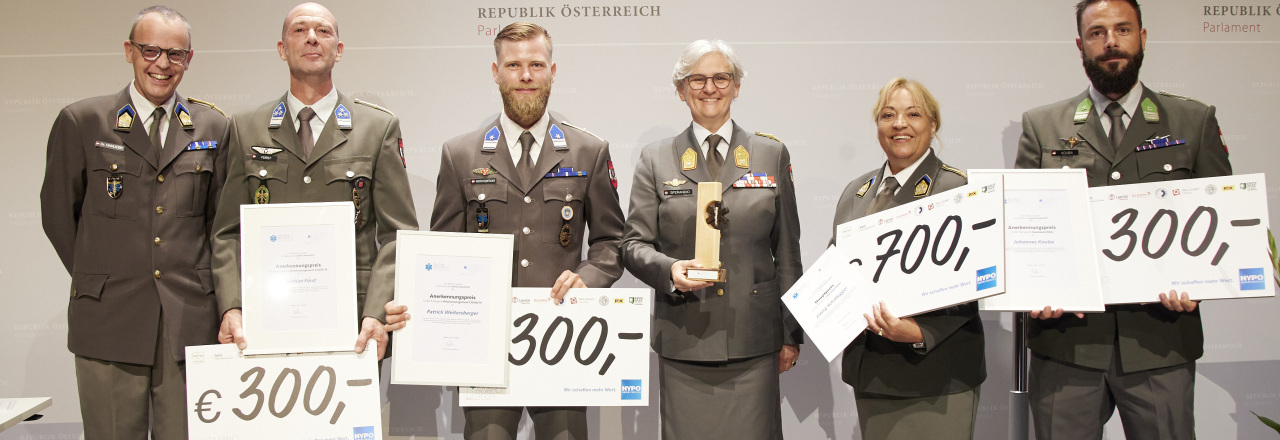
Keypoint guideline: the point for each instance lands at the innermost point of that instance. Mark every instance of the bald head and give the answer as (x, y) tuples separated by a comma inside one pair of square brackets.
[(307, 12)]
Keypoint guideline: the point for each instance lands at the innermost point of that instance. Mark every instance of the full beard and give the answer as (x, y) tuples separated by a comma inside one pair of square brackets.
[(525, 110), (1117, 83)]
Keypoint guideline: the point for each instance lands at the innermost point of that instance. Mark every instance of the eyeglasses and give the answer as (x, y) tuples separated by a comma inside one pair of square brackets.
[(151, 52), (721, 80)]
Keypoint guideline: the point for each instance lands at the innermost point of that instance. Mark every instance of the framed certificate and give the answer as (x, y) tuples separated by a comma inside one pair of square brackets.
[(458, 289), (298, 277), (1050, 252)]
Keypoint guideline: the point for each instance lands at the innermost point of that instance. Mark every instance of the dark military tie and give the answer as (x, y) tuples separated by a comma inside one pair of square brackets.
[(886, 194), (1117, 125), (526, 158), (714, 158), (304, 131), (156, 116)]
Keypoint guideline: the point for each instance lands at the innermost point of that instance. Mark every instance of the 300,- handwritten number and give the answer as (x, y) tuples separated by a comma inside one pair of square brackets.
[(924, 247), (555, 358), (1130, 216), (272, 399)]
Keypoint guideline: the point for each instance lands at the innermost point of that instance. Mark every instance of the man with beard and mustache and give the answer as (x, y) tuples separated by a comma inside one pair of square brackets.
[(1135, 357), (342, 150), (543, 180)]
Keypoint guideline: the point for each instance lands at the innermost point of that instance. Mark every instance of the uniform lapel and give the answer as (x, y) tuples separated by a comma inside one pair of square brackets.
[(729, 171), (860, 204), (286, 135), (548, 157), (1091, 130), (176, 140), (500, 158), (135, 137), (1139, 129), (331, 136), (929, 167), (682, 143)]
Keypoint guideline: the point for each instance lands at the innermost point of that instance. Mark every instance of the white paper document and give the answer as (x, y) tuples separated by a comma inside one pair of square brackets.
[(453, 312), (829, 302)]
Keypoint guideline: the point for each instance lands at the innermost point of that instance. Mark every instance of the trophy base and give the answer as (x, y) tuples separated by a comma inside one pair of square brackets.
[(708, 275)]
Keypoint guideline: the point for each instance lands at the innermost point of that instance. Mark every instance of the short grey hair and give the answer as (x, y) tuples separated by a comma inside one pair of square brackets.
[(694, 52), (165, 12)]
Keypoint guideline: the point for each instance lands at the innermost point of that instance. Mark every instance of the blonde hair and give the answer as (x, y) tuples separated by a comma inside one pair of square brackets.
[(521, 31), (919, 94)]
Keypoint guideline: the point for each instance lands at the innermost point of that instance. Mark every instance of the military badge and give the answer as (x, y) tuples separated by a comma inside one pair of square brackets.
[(343, 116), (675, 182), (689, 160), (484, 171), (557, 137), (566, 172), (566, 213), (124, 118), (1071, 143), (400, 146), (277, 116), (1160, 142), (1082, 111), (115, 186), (922, 186), (482, 218), (613, 175), (267, 150), (566, 235), (262, 196), (184, 116), (1149, 110), (491, 139), (203, 145), (741, 158), (866, 187)]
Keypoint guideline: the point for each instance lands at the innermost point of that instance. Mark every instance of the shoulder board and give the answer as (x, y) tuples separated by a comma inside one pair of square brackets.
[(372, 105), (1173, 95), (207, 104), (954, 170), (575, 127), (769, 136)]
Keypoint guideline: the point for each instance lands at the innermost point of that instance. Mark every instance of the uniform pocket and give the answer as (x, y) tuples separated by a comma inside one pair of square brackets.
[(563, 201), (84, 285), (192, 172), (1168, 163)]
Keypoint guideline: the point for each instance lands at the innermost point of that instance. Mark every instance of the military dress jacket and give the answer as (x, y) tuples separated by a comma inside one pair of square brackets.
[(1150, 336), (361, 162), (132, 225), (759, 246), (573, 188), (953, 358)]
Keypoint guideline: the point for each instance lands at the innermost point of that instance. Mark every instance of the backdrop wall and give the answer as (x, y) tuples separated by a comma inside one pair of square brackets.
[(814, 68)]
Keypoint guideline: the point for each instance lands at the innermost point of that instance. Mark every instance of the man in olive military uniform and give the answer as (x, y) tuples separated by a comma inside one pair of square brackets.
[(1137, 358), (315, 144), (544, 181), (130, 188)]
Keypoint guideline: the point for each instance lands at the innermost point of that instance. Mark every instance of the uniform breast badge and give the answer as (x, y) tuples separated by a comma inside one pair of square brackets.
[(115, 186), (262, 196), (482, 218), (356, 186)]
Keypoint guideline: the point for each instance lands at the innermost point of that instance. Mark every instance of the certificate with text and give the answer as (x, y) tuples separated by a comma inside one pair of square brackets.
[(1049, 247), (458, 290), (829, 302), (1206, 237), (298, 277)]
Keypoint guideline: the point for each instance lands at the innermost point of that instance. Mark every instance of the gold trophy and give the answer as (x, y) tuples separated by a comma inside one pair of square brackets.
[(711, 218)]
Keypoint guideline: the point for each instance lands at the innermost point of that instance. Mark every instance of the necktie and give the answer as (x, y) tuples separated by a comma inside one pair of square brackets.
[(304, 130), (156, 116), (886, 194), (714, 159), (1117, 125), (526, 158)]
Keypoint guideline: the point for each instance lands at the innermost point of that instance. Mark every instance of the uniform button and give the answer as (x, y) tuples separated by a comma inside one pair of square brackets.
[(159, 210), (158, 241), (114, 167), (157, 274), (719, 292), (568, 197), (262, 173), (306, 179), (160, 178), (351, 173), (1115, 175), (527, 199), (73, 292), (480, 197), (524, 263), (526, 230), (198, 168), (1066, 167), (1168, 167)]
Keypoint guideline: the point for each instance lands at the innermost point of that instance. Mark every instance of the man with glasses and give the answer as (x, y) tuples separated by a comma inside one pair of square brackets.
[(315, 144), (131, 185), (544, 180)]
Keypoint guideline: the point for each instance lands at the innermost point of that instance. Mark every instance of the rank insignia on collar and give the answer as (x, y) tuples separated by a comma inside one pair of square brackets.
[(184, 116), (262, 196), (866, 187), (343, 116), (741, 158), (1149, 110), (484, 171), (922, 186), (267, 150), (491, 138), (115, 186), (124, 118), (277, 116), (1082, 111), (689, 160), (1071, 143), (557, 137), (675, 182)]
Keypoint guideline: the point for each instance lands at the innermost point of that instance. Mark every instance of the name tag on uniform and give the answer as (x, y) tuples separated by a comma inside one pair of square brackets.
[(490, 180), (1064, 152), (677, 192), (109, 146)]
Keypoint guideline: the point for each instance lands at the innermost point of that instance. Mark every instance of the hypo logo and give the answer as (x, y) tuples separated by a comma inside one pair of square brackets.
[(631, 389), (363, 433), (1252, 279), (986, 278)]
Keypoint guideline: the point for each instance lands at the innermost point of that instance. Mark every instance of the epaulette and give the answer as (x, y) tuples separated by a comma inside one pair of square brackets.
[(954, 170), (207, 104), (1184, 98), (374, 106), (575, 127), (769, 136)]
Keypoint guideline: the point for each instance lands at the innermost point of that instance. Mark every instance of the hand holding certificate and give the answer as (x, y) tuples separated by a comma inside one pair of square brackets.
[(829, 302)]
